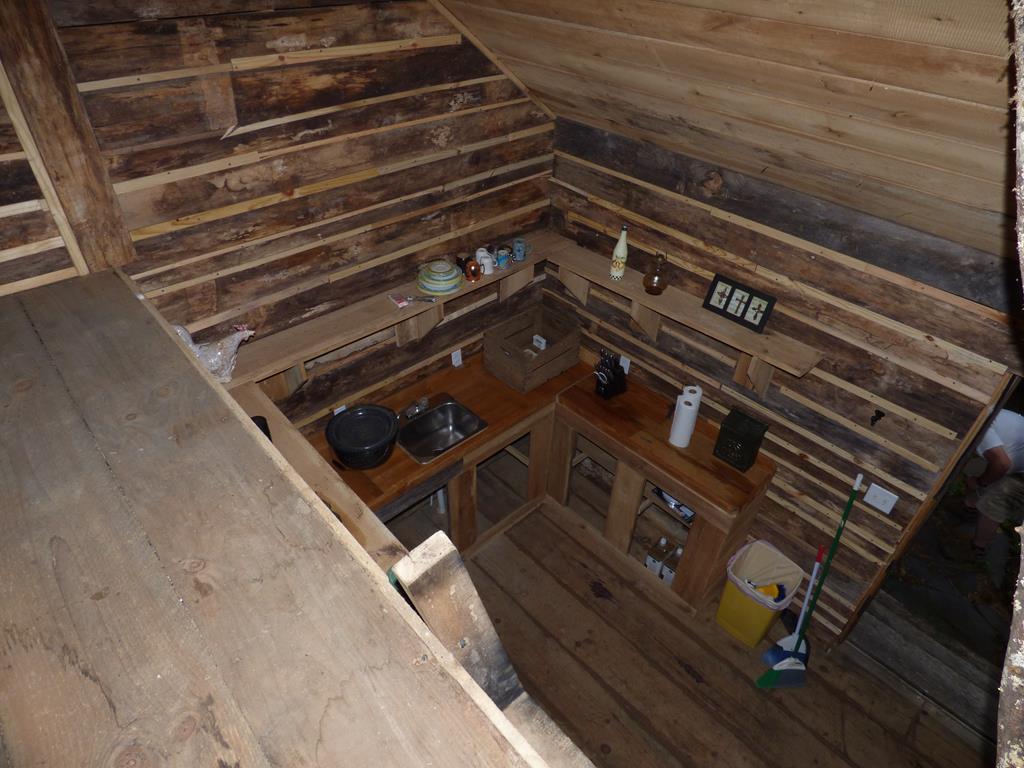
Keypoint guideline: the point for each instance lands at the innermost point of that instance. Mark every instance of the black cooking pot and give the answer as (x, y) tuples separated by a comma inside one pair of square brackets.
[(363, 436)]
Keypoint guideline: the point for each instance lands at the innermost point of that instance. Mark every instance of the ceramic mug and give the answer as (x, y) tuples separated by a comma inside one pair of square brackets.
[(486, 262), (521, 249), (502, 257)]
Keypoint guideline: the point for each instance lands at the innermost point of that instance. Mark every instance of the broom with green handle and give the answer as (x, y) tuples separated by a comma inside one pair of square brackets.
[(791, 672)]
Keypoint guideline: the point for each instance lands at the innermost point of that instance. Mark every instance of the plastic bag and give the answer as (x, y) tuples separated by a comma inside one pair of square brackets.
[(218, 357), (762, 563)]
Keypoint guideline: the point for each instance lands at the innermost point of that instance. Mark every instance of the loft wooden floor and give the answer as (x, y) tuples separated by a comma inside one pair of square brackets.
[(636, 682)]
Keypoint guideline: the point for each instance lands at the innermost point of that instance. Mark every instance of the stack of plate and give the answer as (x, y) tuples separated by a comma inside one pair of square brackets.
[(439, 277)]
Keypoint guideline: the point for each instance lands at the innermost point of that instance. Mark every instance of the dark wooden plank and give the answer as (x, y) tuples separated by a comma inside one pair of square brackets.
[(117, 50), (19, 183), (35, 264), (237, 290), (69, 13), (45, 89), (9, 141), (316, 242), (636, 607), (276, 220), (26, 228), (949, 266), (263, 94), (279, 177), (131, 163), (939, 346), (285, 313)]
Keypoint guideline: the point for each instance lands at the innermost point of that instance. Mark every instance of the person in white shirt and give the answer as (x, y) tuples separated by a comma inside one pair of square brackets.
[(1000, 487)]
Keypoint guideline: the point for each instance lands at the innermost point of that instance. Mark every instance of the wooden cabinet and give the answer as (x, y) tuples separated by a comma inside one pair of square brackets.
[(633, 428)]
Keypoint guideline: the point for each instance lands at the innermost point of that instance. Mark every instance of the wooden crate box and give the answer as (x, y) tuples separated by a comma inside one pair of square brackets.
[(509, 352)]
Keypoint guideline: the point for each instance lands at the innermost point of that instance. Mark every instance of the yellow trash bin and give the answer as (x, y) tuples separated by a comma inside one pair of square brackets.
[(744, 612)]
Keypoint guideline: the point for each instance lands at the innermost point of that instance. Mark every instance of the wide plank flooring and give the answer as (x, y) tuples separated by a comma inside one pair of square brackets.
[(637, 681)]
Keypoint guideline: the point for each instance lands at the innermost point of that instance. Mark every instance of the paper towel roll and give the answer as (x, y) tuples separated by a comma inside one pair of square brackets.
[(685, 418)]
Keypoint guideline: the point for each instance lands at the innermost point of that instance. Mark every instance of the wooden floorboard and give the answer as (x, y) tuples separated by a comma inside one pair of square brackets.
[(171, 593), (635, 680)]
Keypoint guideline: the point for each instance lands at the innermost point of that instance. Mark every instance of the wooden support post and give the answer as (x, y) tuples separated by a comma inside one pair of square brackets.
[(540, 457), (438, 584), (285, 383), (462, 508), (702, 568), (418, 326), (753, 373), (627, 493), (575, 284), (646, 319), (514, 282), (44, 87), (563, 447), (707, 552)]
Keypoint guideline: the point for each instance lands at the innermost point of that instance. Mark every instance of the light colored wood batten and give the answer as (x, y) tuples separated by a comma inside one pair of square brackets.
[(29, 249), (271, 61), (888, 405), (7, 157), (359, 103), (27, 206), (38, 280), (245, 63)]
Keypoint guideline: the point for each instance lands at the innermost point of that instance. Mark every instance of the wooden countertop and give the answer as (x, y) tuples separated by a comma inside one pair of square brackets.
[(502, 407), (172, 593), (637, 422)]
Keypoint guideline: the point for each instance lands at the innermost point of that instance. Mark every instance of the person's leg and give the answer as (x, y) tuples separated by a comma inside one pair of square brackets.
[(1003, 500), (986, 530)]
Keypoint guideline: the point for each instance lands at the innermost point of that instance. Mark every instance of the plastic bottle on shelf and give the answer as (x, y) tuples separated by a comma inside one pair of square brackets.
[(619, 256)]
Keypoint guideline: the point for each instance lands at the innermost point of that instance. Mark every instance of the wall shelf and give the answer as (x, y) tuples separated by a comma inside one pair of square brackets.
[(579, 267), (284, 350)]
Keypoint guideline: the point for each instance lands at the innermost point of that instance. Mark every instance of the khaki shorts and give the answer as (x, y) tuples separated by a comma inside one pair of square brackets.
[(1004, 499)]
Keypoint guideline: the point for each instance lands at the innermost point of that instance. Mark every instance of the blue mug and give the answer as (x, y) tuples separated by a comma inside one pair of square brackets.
[(521, 249), (502, 256)]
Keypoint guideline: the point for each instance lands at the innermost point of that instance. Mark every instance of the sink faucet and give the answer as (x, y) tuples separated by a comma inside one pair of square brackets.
[(416, 407)]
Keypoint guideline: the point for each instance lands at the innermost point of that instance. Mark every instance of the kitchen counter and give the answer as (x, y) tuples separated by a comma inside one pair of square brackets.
[(509, 414), (634, 428)]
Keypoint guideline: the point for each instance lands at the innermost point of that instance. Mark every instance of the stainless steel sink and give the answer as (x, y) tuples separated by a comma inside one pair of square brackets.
[(444, 424)]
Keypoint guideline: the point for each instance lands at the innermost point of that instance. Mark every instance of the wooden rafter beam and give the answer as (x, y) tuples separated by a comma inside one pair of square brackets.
[(42, 84)]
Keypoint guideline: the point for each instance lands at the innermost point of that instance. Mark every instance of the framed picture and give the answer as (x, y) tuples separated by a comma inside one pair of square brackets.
[(739, 303)]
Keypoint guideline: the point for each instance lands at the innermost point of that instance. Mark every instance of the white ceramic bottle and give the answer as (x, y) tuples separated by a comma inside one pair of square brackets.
[(619, 257)]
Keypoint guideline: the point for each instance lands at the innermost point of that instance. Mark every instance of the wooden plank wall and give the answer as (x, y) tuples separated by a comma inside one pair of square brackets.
[(926, 363), (896, 109), (275, 165), (34, 249)]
